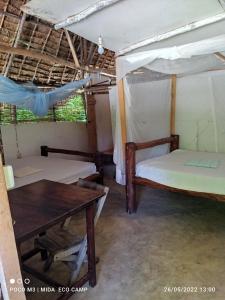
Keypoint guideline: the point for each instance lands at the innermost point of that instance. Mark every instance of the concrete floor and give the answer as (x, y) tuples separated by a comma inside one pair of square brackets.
[(172, 241)]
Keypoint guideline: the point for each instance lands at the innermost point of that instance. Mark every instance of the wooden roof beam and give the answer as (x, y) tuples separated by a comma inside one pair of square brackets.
[(51, 59)]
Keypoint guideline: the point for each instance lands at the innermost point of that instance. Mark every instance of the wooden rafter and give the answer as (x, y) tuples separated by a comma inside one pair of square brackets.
[(72, 48), (68, 56), (28, 47), (25, 66), (42, 51), (51, 59), (90, 53), (56, 54)]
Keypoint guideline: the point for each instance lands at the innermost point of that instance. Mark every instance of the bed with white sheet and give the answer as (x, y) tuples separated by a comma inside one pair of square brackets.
[(192, 172), (34, 168), (186, 170)]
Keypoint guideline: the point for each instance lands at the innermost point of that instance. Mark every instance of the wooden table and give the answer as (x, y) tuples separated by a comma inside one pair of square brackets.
[(38, 206)]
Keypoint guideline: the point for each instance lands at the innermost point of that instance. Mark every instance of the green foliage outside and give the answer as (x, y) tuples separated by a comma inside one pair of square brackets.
[(72, 110)]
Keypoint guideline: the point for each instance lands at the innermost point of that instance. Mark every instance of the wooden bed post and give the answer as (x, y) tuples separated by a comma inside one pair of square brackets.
[(9, 262), (173, 105), (174, 145), (44, 150), (127, 152), (122, 110), (130, 175), (91, 125)]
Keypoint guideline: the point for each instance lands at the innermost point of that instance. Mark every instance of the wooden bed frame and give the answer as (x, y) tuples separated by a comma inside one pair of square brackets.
[(93, 157), (132, 180)]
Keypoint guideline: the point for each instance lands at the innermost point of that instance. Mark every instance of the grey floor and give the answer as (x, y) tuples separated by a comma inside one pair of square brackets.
[(172, 241)]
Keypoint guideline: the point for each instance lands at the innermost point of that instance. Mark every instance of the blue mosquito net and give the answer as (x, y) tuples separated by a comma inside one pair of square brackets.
[(30, 97)]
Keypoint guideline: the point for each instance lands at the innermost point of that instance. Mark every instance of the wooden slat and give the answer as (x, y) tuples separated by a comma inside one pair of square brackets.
[(9, 263), (122, 108), (173, 105), (154, 143)]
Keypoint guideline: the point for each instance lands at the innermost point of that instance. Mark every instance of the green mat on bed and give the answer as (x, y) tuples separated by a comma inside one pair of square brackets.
[(214, 163)]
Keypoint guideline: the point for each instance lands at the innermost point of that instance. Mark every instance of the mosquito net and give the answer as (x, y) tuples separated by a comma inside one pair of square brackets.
[(30, 97), (200, 102)]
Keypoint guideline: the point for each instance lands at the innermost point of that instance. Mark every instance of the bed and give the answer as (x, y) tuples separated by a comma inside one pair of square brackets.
[(191, 172), (34, 168)]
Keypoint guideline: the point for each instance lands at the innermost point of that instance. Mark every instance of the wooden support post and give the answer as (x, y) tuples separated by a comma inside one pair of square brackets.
[(1, 148), (74, 54), (122, 109), (173, 105), (9, 262), (91, 125)]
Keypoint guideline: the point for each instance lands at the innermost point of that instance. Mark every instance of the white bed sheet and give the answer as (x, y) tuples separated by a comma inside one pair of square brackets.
[(55, 169), (171, 170)]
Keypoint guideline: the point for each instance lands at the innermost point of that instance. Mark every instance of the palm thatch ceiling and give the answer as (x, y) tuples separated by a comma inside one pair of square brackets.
[(32, 50)]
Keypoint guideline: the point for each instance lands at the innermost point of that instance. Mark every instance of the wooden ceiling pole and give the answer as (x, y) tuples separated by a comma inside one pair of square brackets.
[(72, 48), (173, 105), (9, 262)]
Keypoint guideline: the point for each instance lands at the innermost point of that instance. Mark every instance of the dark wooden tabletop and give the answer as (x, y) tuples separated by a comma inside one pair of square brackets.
[(37, 206)]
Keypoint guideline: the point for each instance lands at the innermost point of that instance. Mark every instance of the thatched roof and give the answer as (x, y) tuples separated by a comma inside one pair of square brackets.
[(41, 53)]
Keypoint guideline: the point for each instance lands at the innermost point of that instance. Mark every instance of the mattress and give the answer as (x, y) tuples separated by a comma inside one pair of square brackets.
[(174, 170), (55, 169)]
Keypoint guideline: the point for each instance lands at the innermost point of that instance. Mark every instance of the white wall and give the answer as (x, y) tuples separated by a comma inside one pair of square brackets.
[(103, 122), (31, 136)]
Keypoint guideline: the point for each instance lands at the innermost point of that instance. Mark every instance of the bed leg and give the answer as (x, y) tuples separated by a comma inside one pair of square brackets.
[(131, 198), (174, 145), (131, 203)]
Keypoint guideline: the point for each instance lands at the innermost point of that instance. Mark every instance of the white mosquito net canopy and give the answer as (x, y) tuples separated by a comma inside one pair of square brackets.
[(200, 98)]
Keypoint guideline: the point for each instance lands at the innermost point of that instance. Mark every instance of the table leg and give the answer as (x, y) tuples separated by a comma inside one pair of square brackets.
[(90, 212)]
